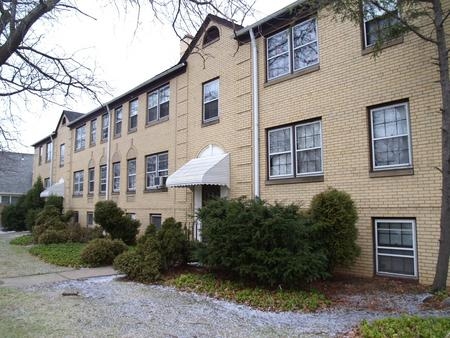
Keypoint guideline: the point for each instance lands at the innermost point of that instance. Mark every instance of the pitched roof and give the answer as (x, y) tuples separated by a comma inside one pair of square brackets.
[(16, 172), (72, 115)]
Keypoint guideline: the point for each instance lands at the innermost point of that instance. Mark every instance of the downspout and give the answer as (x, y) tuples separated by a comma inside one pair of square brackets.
[(51, 161), (255, 109), (108, 151)]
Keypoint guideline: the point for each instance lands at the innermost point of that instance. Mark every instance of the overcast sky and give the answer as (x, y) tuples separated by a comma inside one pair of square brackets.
[(124, 55)]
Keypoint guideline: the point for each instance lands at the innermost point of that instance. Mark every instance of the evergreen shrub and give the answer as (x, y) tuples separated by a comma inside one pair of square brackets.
[(102, 251)]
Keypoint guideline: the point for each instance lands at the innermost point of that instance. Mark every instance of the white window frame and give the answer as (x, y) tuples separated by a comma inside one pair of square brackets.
[(311, 42), (103, 177), (414, 247), (204, 101), (373, 139), (93, 133), (116, 178), (118, 121), (312, 173), (282, 152), (62, 154), (105, 127), (131, 177), (80, 138), (78, 180), (133, 114), (159, 102), (91, 180), (285, 31), (156, 172)]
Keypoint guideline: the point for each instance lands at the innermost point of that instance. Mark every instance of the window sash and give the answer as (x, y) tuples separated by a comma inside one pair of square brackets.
[(80, 133), (160, 162), (118, 121), (91, 180), (48, 152), (276, 154), (278, 55), (93, 135), (398, 136), (78, 182), (61, 154), (211, 94), (116, 177), (308, 149), (402, 252), (306, 45), (378, 17), (105, 126), (131, 175), (156, 220), (103, 179), (158, 104)]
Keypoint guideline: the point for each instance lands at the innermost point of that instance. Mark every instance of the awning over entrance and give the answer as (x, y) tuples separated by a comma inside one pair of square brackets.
[(214, 170), (56, 189)]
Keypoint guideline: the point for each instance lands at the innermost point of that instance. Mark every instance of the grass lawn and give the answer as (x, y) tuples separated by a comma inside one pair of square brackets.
[(22, 240), (271, 300), (406, 327), (66, 254)]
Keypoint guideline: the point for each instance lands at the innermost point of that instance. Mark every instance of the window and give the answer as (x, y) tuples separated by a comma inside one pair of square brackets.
[(90, 218), (156, 170), (40, 155), (211, 35), (156, 220), (293, 49), (78, 182), (158, 104), (211, 100), (118, 121), (378, 21), (116, 177), (62, 154), (91, 180), (93, 137), (306, 150), (391, 141), (103, 179), (131, 171), (132, 215), (105, 126), (5, 200), (48, 152), (396, 247), (132, 123), (80, 141), (46, 182)]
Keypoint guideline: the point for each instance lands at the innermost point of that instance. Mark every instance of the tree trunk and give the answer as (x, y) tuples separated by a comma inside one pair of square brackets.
[(440, 278)]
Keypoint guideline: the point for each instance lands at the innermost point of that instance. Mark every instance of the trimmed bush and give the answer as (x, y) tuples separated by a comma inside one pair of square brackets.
[(269, 244), (78, 234), (334, 214), (143, 264), (173, 244), (113, 220), (51, 236), (102, 251)]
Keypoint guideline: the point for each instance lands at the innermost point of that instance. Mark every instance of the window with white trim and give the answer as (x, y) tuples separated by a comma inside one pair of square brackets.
[(93, 135), (80, 138), (116, 177), (395, 245), (105, 126), (118, 121), (156, 170), (133, 116), (292, 49), (78, 182), (131, 175), (391, 140), (295, 150), (91, 180), (211, 100), (102, 181), (62, 154), (158, 104), (379, 18)]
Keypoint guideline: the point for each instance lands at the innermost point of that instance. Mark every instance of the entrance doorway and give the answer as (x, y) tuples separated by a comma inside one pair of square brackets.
[(209, 192)]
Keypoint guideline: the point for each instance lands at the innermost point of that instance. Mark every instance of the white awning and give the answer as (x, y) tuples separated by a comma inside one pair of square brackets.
[(213, 170), (56, 189)]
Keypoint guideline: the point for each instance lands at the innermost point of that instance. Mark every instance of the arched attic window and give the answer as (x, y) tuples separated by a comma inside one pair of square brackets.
[(63, 121), (211, 35)]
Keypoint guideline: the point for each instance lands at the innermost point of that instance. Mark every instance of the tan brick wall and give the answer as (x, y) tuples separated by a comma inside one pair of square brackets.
[(339, 93)]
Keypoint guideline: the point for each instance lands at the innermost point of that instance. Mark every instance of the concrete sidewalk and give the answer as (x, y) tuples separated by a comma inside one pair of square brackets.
[(52, 277)]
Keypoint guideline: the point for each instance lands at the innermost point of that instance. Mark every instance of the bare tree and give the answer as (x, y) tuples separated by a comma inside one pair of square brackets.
[(427, 19)]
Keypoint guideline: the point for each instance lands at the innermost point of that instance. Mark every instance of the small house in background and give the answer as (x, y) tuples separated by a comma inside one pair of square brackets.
[(16, 175)]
